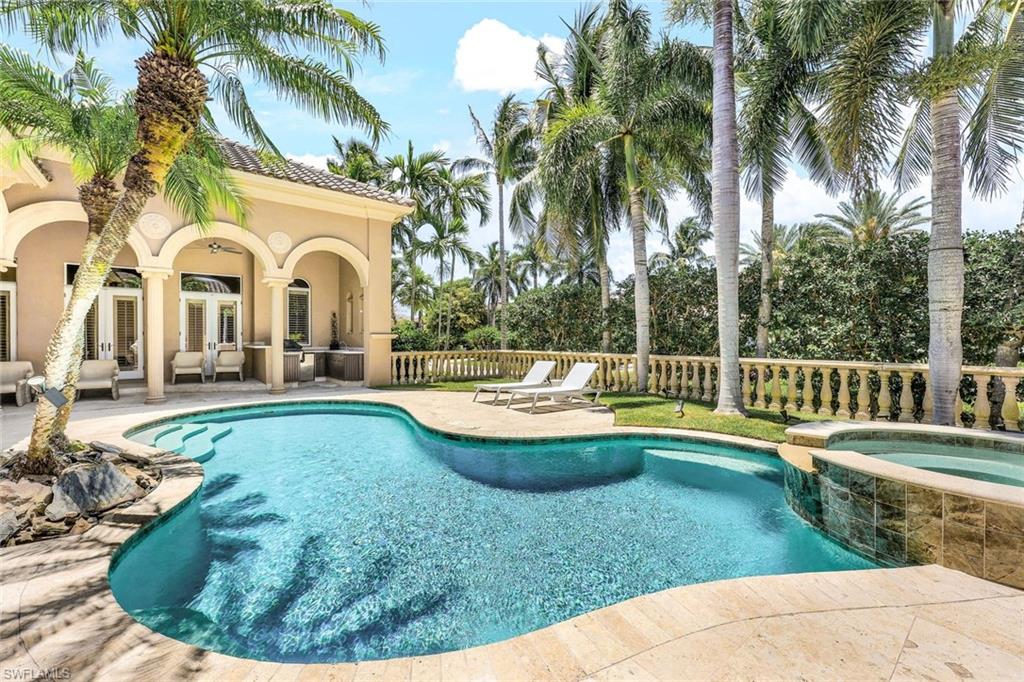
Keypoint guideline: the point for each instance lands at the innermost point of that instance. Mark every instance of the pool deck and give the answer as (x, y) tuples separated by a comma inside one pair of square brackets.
[(58, 616)]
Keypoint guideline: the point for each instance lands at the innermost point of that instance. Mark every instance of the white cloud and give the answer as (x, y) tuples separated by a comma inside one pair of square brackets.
[(491, 56), (442, 146), (315, 160)]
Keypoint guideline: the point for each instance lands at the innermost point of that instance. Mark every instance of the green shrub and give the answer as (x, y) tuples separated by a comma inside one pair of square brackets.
[(409, 337), (483, 338)]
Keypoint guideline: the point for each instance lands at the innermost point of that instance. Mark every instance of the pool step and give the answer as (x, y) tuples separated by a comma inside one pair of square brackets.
[(174, 439), (201, 447), (152, 434)]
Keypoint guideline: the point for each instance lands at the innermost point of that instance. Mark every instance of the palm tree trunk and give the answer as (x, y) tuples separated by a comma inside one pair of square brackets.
[(440, 283), (451, 285), (641, 288), (945, 248), (725, 204), (606, 301), (504, 264), (169, 101), (764, 310)]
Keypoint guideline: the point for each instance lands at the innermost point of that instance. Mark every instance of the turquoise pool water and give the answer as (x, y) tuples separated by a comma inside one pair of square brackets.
[(979, 463), (341, 533)]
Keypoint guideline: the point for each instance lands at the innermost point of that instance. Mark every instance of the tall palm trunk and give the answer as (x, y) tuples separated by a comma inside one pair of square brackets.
[(945, 248), (451, 285), (504, 264), (440, 283), (169, 101), (764, 309), (641, 288), (725, 204), (98, 197), (606, 302)]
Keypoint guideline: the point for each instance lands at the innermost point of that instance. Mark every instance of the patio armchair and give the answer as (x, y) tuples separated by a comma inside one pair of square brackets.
[(14, 376), (186, 363), (99, 374), (229, 361)]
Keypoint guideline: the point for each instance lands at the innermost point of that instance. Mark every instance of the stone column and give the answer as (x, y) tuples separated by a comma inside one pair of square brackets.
[(277, 289), (153, 291)]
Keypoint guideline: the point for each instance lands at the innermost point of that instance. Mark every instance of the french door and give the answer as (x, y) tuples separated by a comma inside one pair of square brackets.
[(210, 322), (113, 330)]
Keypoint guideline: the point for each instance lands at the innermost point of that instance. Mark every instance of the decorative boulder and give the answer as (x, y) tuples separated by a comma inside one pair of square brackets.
[(9, 524), (91, 488), (22, 495)]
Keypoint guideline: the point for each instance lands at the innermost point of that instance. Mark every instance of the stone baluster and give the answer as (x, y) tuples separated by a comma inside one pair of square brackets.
[(807, 391), (982, 404), (844, 394), (790, 388), (745, 382), (761, 377), (674, 378), (863, 396), (1011, 411), (694, 393), (907, 397), (776, 403), (927, 403), (884, 396), (707, 395)]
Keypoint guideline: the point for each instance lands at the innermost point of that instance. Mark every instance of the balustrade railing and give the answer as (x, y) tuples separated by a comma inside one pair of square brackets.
[(989, 396)]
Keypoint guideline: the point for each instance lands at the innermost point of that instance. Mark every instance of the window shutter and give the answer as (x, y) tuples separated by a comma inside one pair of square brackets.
[(91, 349), (298, 314), (226, 323), (125, 333), (5, 326), (195, 324)]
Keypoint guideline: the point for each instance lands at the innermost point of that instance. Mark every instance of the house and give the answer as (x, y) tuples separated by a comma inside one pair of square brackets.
[(316, 245)]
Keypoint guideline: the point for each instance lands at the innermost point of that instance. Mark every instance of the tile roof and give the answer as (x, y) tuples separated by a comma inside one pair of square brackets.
[(248, 160)]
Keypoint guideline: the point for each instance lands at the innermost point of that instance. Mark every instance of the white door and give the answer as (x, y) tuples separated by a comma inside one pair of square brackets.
[(210, 323), (113, 330)]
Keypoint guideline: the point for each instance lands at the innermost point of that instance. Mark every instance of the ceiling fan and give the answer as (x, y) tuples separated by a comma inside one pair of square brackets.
[(216, 247)]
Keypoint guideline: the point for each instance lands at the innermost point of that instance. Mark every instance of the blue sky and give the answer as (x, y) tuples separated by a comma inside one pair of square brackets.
[(446, 56)]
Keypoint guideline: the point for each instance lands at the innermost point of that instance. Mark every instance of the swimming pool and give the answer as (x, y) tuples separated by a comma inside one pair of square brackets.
[(326, 533), (977, 462)]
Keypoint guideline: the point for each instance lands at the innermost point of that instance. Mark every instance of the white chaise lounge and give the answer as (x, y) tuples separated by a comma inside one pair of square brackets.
[(13, 377), (98, 375), (188, 362), (535, 378), (574, 385), (229, 361)]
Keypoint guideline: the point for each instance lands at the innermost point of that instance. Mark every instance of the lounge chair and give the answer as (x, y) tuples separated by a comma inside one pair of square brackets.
[(99, 374), (229, 361), (188, 363), (13, 377), (535, 378), (574, 385)]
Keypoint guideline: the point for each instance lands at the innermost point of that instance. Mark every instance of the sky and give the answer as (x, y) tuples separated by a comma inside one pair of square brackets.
[(446, 56)]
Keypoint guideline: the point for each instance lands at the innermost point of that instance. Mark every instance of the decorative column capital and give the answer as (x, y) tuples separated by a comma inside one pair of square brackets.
[(276, 282), (155, 273)]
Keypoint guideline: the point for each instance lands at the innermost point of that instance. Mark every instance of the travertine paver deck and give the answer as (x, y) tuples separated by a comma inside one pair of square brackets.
[(59, 616)]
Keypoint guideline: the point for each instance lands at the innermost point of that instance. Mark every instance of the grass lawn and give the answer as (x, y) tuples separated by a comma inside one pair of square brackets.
[(635, 409)]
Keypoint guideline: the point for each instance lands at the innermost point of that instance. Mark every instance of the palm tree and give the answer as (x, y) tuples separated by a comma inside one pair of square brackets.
[(574, 212), (81, 113), (487, 279), (531, 255), (357, 159), (650, 111), (194, 51), (775, 120), (684, 245), (448, 243), (874, 215), (786, 240), (410, 284), (873, 73), (418, 177), (509, 153)]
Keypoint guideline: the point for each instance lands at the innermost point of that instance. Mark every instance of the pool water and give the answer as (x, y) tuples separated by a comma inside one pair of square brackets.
[(982, 464), (343, 533)]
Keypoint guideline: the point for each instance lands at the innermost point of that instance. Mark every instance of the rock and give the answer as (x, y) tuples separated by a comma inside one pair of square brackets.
[(139, 476), (81, 525), (136, 458), (106, 447), (9, 524), (91, 488), (41, 528), (22, 495)]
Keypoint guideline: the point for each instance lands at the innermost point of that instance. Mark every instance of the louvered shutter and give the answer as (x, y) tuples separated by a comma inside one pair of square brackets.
[(298, 315), (195, 326), (125, 332), (5, 326)]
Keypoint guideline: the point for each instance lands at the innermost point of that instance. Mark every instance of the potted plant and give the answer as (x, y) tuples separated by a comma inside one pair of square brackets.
[(335, 343)]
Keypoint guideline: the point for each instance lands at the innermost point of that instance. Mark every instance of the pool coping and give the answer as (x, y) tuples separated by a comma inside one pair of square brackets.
[(182, 478)]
